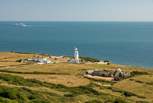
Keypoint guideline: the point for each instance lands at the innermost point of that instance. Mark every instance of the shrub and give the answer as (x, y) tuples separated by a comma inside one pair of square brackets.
[(12, 94), (19, 60), (5, 100), (139, 73), (88, 90), (142, 102), (28, 95), (9, 93), (94, 101), (19, 80), (119, 100), (20, 95), (69, 94), (86, 59), (127, 94)]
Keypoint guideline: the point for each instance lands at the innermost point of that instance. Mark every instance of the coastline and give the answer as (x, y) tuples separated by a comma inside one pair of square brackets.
[(121, 49), (67, 80), (122, 65)]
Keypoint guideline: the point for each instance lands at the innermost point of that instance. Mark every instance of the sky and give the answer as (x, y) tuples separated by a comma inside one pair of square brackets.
[(76, 10)]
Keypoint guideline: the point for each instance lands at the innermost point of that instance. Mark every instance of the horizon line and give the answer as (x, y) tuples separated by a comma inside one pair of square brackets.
[(68, 21)]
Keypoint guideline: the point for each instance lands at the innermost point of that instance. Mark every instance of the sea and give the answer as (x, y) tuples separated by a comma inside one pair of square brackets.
[(128, 43)]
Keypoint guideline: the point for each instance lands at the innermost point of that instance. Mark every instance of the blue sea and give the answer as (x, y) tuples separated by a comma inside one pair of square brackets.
[(129, 43)]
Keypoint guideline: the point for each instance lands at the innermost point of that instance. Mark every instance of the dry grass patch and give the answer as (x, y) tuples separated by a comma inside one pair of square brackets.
[(58, 68), (148, 79), (67, 80), (138, 86), (39, 89), (10, 64), (9, 59), (9, 56)]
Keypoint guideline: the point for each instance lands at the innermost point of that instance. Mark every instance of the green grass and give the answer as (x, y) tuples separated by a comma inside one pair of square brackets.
[(20, 95), (71, 94), (15, 89), (19, 80), (34, 72), (24, 95), (16, 80)]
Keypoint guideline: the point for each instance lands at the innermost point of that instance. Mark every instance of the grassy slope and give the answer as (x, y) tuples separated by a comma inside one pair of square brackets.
[(64, 83), (139, 85)]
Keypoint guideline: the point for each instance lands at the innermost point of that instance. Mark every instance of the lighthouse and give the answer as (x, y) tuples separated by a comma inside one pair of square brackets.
[(76, 55)]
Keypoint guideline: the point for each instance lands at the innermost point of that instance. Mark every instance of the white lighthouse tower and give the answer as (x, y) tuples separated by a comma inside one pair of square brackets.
[(76, 55)]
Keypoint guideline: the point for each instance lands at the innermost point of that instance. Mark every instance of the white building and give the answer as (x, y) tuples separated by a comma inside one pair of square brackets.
[(76, 55), (39, 60), (44, 61)]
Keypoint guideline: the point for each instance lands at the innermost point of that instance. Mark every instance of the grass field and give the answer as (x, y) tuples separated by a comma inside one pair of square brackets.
[(64, 83)]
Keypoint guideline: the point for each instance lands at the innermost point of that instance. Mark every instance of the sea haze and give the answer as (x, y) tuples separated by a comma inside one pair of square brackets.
[(121, 42)]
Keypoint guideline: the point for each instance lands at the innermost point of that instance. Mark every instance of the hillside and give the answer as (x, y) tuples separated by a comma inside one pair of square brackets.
[(64, 83)]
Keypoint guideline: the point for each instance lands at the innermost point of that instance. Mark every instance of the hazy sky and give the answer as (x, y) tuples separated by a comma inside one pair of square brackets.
[(76, 10)]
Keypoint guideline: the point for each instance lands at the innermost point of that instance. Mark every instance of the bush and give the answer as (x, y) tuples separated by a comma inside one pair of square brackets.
[(127, 94), (14, 94), (94, 101), (142, 102), (29, 95), (119, 100), (69, 94), (19, 80), (89, 59), (88, 90), (19, 60), (20, 95), (5, 100), (9, 93), (139, 73)]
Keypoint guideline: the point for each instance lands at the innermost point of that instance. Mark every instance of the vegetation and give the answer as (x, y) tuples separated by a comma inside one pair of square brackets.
[(89, 59), (19, 60), (20, 95), (119, 100), (94, 101), (25, 95), (139, 73), (64, 83), (35, 72), (16, 80)]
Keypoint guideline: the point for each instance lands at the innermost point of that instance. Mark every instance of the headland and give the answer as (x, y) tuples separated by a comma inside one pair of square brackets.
[(28, 77)]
